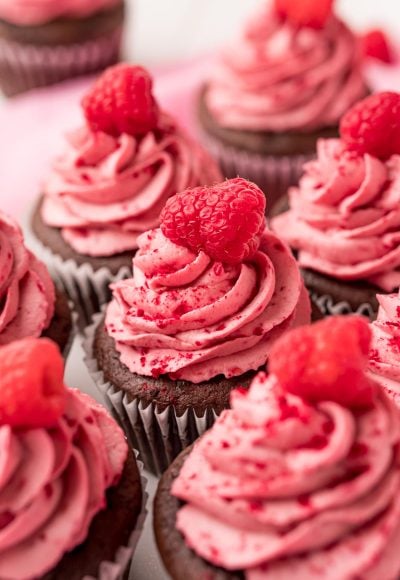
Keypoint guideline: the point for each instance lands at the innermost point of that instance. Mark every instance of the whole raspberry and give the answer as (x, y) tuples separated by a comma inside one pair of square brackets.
[(121, 101), (326, 362), (32, 392), (375, 44), (310, 13), (225, 221), (373, 126)]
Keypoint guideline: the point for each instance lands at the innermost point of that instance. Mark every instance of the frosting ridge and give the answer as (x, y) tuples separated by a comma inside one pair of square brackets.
[(27, 293), (105, 191), (277, 77), (187, 316), (344, 217), (278, 486)]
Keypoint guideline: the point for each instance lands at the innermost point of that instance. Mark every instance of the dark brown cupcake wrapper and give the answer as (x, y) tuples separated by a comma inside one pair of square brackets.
[(273, 174), (158, 436), (329, 307), (27, 66)]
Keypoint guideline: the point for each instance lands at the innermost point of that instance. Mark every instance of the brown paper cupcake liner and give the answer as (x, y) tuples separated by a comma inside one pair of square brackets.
[(274, 175), (27, 66), (158, 436), (329, 307)]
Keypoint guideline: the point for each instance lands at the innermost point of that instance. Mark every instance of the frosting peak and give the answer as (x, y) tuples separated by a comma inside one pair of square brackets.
[(279, 77), (280, 487), (189, 316), (344, 217), (27, 292), (104, 191)]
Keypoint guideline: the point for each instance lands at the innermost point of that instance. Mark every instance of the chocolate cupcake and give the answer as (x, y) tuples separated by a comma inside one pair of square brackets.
[(71, 492), (299, 478), (343, 219), (46, 42), (279, 88), (110, 185), (211, 291), (30, 305)]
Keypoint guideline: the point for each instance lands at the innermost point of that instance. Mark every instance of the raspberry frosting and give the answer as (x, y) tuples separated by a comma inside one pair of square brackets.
[(52, 483), (27, 292), (344, 217), (279, 488), (385, 348), (278, 77), (36, 12), (193, 318), (104, 191)]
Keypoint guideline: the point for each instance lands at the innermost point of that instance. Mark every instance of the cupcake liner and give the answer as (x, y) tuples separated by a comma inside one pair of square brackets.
[(328, 307), (158, 436), (87, 288), (274, 175), (119, 568), (26, 66)]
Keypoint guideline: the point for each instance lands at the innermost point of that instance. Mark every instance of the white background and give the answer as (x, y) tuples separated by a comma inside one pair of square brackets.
[(164, 31)]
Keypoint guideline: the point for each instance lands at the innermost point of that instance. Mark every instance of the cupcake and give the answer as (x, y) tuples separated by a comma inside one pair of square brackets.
[(344, 218), (71, 494), (279, 88), (384, 356), (211, 291), (45, 42), (299, 479), (111, 183), (30, 305)]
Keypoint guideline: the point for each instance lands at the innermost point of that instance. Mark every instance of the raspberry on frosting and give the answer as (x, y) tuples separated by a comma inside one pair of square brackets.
[(224, 220), (326, 362), (122, 101), (32, 392), (373, 126), (311, 13)]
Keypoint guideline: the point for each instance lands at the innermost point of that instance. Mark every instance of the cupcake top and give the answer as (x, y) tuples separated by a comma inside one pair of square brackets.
[(385, 347), (344, 218), (120, 168), (27, 292), (212, 288), (296, 67), (301, 477), (60, 452), (37, 12)]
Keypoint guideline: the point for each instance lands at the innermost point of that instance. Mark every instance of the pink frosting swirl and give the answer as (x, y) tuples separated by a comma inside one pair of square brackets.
[(27, 292), (104, 191), (36, 12), (188, 316), (280, 78), (281, 489), (52, 483), (384, 355), (344, 217)]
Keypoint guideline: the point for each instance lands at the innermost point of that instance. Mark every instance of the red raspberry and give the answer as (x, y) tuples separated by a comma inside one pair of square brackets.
[(375, 44), (326, 362), (373, 126), (311, 13), (121, 101), (225, 221), (32, 392)]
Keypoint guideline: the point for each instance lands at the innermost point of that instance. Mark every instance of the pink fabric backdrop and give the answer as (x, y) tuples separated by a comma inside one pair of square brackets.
[(32, 126)]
